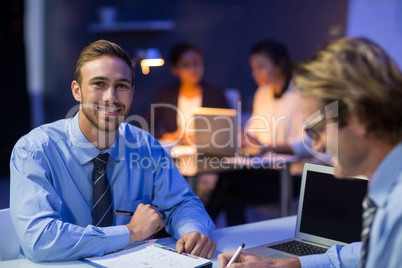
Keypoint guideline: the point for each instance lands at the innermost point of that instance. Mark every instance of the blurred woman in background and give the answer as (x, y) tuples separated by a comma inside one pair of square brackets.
[(176, 101), (276, 121), (275, 126)]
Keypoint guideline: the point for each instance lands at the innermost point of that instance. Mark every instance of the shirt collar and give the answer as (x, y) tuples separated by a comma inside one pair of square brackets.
[(385, 176), (85, 150)]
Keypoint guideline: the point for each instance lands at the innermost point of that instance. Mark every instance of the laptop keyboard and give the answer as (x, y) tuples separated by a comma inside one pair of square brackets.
[(298, 248)]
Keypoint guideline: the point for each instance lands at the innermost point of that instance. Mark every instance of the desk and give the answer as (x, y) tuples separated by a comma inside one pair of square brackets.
[(227, 239), (190, 164)]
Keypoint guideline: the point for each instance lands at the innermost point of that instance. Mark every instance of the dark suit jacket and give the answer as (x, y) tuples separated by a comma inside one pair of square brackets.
[(165, 118)]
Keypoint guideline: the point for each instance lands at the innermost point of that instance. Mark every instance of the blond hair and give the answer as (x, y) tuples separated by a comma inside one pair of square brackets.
[(98, 49), (363, 78)]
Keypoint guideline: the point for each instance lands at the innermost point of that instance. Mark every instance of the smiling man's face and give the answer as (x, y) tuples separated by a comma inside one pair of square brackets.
[(105, 94)]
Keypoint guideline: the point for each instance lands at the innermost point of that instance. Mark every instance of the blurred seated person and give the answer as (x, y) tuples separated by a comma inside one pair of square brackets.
[(276, 121), (276, 126), (171, 110)]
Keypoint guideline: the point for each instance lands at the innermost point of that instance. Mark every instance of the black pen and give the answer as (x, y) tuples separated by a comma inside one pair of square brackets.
[(123, 212)]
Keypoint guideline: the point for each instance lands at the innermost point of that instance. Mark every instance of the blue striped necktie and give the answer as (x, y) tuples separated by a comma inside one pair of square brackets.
[(369, 209), (102, 215)]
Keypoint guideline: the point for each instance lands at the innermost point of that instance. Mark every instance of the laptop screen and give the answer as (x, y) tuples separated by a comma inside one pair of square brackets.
[(216, 131), (332, 208)]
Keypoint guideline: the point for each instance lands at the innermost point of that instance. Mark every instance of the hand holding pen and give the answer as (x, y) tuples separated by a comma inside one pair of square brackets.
[(145, 221), (191, 243), (236, 255), (242, 259)]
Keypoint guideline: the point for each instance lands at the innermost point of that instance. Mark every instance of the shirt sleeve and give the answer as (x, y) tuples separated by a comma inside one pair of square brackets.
[(337, 256), (36, 215), (182, 210)]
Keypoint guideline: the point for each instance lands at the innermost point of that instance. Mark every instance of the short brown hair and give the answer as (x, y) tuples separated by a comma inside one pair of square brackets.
[(98, 49), (363, 78)]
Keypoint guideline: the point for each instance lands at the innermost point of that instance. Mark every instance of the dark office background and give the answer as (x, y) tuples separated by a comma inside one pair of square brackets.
[(223, 29), (14, 102)]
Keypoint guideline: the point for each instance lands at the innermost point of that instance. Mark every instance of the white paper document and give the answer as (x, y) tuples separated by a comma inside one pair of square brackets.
[(148, 255)]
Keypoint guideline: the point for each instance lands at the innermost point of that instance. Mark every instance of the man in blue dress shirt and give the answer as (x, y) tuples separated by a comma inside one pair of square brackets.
[(52, 169), (352, 92)]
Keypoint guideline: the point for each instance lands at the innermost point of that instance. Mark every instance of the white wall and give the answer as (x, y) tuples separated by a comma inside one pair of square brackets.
[(379, 20)]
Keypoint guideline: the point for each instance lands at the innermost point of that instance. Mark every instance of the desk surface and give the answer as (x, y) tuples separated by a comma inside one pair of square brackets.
[(191, 163), (227, 239)]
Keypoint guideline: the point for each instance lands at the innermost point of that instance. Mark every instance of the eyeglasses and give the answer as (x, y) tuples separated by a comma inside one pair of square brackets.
[(311, 129)]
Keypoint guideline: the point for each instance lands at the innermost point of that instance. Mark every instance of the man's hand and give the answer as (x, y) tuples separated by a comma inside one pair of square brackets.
[(246, 259), (146, 221), (196, 244)]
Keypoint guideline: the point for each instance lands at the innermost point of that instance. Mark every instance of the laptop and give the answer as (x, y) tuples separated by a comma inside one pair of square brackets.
[(216, 131), (330, 212)]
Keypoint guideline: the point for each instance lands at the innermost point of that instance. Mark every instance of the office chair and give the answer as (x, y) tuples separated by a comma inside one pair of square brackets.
[(233, 97), (9, 245)]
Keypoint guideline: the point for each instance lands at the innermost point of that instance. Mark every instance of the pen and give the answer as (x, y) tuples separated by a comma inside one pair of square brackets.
[(190, 255), (237, 253), (173, 250), (123, 212), (167, 248)]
